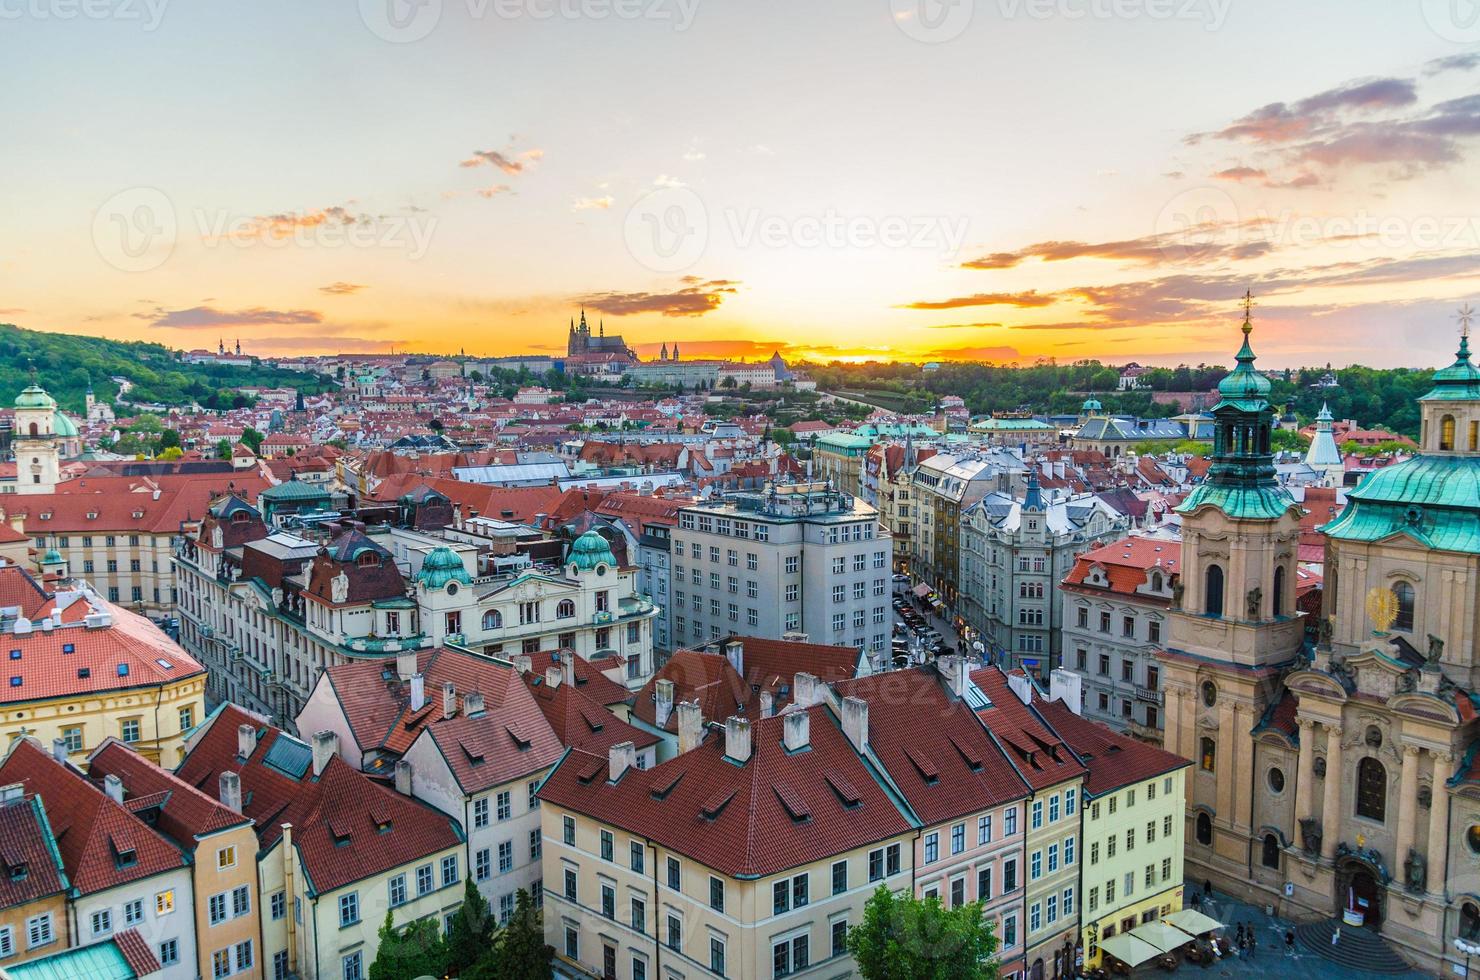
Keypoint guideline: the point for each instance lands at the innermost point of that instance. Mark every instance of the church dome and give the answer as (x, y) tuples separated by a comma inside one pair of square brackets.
[(64, 426), (53, 557), (1458, 382), (1092, 404), (441, 566), (1244, 383), (35, 396), (590, 550)]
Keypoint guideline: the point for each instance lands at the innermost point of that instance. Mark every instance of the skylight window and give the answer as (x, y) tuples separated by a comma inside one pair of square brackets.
[(123, 670), (15, 655), (164, 663), (15, 680)]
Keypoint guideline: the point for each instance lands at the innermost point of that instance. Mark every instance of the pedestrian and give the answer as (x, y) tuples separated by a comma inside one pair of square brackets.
[(1253, 942), (1238, 935), (1289, 942)]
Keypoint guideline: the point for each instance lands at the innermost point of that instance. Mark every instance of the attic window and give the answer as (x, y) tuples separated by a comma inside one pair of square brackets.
[(15, 655), (138, 515), (970, 755), (92, 515), (923, 765), (123, 670), (716, 804), (796, 807), (15, 680), (69, 648), (46, 515), (84, 672), (520, 738), (340, 830), (368, 560), (164, 663), (475, 756), (661, 790), (846, 794), (590, 771), (124, 855)]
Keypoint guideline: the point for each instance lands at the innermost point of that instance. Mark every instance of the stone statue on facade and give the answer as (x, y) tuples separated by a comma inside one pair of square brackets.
[(1415, 871), (1177, 594), (1310, 835), (1436, 650), (1324, 627), (1254, 598)]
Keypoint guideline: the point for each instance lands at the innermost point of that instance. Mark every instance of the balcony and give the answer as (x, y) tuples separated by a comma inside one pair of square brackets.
[(1149, 695)]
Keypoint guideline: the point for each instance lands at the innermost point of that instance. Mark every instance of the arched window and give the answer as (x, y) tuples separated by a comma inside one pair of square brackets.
[(1446, 432), (1279, 590), (1213, 589), (1474, 435), (368, 559), (34, 430), (1204, 829), (1405, 595), (1271, 855), (1371, 789), (565, 609), (1156, 581), (1209, 755), (493, 619)]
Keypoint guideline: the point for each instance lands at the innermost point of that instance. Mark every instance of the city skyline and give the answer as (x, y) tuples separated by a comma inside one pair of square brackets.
[(467, 176)]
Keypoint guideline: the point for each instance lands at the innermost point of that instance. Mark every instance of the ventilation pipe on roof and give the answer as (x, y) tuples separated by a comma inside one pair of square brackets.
[(59, 749), (568, 666), (472, 704), (246, 740), (796, 730), (737, 739), (662, 701), (554, 677), (855, 722), (806, 690), (690, 725), (113, 786), (230, 789), (735, 654), (768, 704), (406, 664), (449, 699), (1066, 686), (620, 758), (522, 663), (325, 747), (1021, 686), (403, 777), (418, 692)]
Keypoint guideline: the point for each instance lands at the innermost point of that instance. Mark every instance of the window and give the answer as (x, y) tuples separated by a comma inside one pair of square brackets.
[(1035, 866), (1053, 808), (352, 966), (1035, 917), (169, 952), (1213, 590), (932, 847), (1068, 851), (241, 901), (187, 718), (1204, 829), (675, 932), (717, 945), (572, 943), (1371, 790), (217, 907), (1009, 931), (38, 930), (984, 829), (983, 884), (1446, 433), (608, 902), (349, 909), (480, 812), (1053, 909), (1009, 821), (1405, 595), (102, 922), (674, 874), (1271, 852), (570, 884), (221, 963), (244, 956), (423, 879), (839, 877), (1208, 756), (1037, 819), (639, 915), (635, 855), (164, 902), (1277, 599), (568, 830), (505, 805), (129, 728), (1009, 874), (505, 856), (958, 838), (397, 888), (716, 893), (606, 845)]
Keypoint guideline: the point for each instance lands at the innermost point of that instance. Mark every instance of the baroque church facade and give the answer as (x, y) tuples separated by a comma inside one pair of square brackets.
[(1335, 771)]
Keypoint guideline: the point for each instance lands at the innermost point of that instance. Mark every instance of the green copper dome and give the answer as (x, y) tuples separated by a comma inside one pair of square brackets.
[(1092, 404), (64, 426), (35, 396), (1243, 383), (590, 550), (1458, 382), (441, 566), (53, 557), (1433, 499)]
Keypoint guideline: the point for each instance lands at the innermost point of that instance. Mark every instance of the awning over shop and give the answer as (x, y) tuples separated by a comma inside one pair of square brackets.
[(922, 590), (1162, 936), (1192, 921), (1129, 950)]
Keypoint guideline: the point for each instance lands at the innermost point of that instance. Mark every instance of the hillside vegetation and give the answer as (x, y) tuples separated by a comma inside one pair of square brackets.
[(66, 362)]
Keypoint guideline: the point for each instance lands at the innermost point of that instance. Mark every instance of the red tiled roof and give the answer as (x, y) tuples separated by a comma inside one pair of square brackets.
[(25, 844), (103, 504), (581, 723), (589, 678), (735, 818), (1114, 760), (948, 766), (184, 812), (346, 826), (1127, 562), (1038, 754), (102, 844), (705, 678), (773, 664), (137, 952)]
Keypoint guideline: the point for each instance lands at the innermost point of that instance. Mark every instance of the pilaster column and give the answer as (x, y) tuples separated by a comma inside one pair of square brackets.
[(1243, 758), (1407, 803), (1304, 777), (1171, 721), (1331, 806), (1439, 822), (1225, 762)]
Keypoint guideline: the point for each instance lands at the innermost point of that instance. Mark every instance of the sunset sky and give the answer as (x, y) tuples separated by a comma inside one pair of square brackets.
[(995, 179)]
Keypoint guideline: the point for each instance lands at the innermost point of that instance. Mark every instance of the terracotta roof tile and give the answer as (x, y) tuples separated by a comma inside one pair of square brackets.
[(1113, 760), (1038, 754)]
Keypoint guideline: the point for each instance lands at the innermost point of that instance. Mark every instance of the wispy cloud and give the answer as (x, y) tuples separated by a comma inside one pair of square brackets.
[(602, 203), (202, 317), (342, 288), (1151, 250), (1030, 298), (696, 297)]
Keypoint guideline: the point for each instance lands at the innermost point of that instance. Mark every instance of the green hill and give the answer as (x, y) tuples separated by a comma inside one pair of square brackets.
[(66, 362)]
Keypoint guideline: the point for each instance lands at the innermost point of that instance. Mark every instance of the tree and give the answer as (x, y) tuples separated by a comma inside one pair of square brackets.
[(415, 951), (172, 452), (252, 439), (903, 936), (169, 439), (223, 449), (521, 952), (1284, 440), (436, 426), (471, 935)]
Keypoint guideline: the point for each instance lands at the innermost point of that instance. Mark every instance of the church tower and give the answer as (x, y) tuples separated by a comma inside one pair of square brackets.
[(1234, 629), (34, 440)]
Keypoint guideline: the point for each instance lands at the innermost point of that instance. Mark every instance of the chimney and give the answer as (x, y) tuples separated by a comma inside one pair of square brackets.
[(325, 747), (406, 665), (805, 690), (735, 654), (418, 692), (13, 793), (620, 758), (246, 740), (1021, 686), (472, 704), (113, 786), (855, 722), (690, 725), (230, 788), (737, 739), (553, 677), (522, 663), (449, 699), (403, 777), (568, 666), (795, 636), (59, 749), (663, 695), (796, 730), (952, 669), (1066, 686), (768, 704)]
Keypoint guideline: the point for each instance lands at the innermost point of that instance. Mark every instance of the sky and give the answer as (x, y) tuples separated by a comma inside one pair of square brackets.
[(1004, 180)]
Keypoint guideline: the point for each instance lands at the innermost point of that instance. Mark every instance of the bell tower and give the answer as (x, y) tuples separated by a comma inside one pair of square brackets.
[(1234, 629), (37, 457)]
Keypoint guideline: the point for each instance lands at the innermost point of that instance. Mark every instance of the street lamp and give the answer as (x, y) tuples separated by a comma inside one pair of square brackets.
[(1466, 948)]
